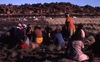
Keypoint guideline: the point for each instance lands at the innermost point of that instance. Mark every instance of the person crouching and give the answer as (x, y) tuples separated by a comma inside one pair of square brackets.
[(37, 37)]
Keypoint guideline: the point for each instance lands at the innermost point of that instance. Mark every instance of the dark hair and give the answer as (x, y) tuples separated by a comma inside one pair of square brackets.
[(97, 37), (37, 27), (80, 26), (66, 14)]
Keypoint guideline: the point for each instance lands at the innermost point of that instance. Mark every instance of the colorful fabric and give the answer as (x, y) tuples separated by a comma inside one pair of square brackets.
[(24, 46), (70, 24), (39, 40), (69, 19)]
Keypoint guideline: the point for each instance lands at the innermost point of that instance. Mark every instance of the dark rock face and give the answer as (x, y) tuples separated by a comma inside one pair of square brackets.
[(48, 8)]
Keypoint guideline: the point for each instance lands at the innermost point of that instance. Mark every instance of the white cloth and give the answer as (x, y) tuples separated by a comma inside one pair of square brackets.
[(83, 33), (19, 27), (27, 41)]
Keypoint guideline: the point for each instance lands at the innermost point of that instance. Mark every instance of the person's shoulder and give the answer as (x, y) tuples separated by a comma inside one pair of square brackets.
[(82, 30)]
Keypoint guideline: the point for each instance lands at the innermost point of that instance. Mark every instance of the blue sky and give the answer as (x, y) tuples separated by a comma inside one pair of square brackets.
[(76, 2)]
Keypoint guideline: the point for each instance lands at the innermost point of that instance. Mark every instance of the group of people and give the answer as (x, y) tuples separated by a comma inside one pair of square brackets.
[(25, 36)]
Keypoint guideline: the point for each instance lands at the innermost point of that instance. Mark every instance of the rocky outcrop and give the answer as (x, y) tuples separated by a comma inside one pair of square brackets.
[(48, 9)]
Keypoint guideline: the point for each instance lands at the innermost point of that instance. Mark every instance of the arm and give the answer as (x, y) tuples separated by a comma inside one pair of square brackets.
[(82, 34), (90, 47)]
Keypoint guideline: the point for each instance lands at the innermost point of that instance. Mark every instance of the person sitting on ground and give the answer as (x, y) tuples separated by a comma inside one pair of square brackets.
[(48, 30), (59, 38), (76, 45), (95, 47), (29, 31), (15, 33), (47, 34), (24, 40), (37, 37)]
